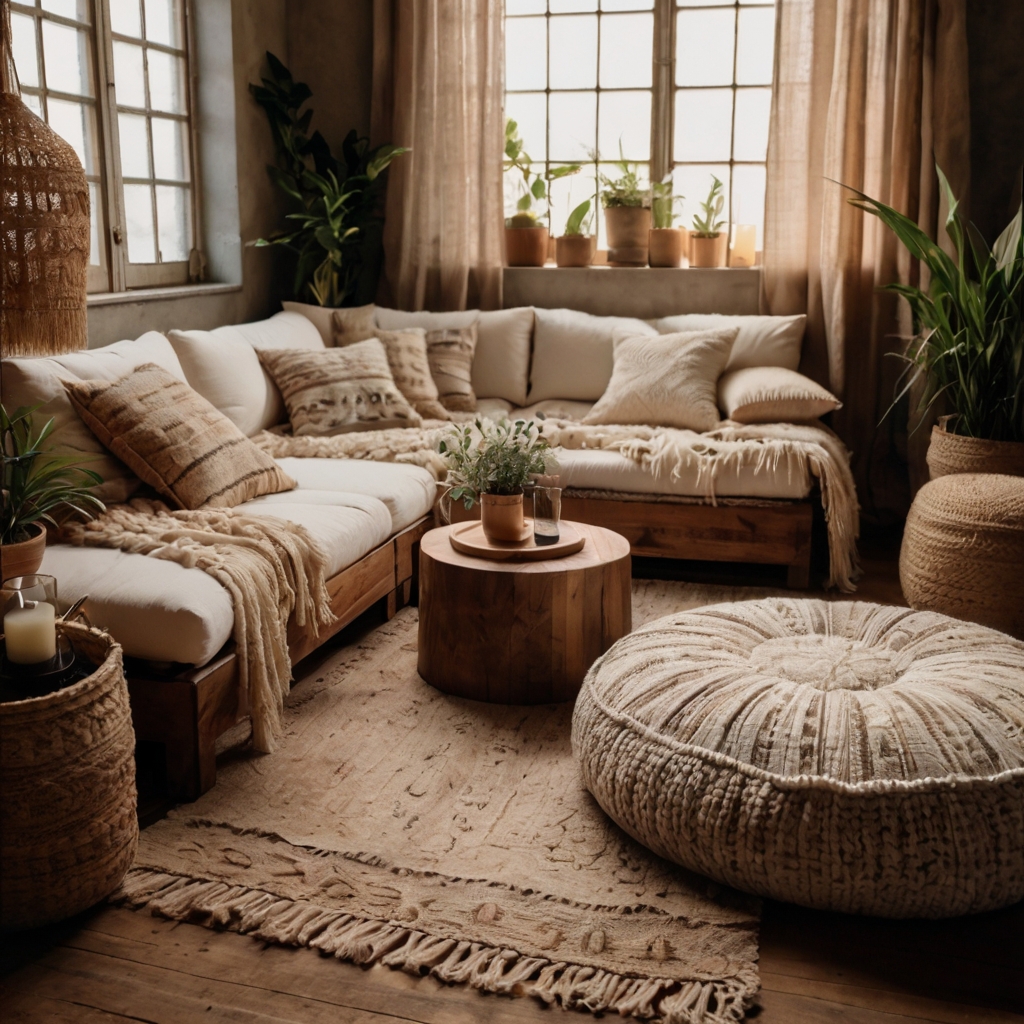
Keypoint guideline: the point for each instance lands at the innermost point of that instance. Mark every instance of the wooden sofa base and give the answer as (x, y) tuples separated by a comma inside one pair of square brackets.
[(187, 711)]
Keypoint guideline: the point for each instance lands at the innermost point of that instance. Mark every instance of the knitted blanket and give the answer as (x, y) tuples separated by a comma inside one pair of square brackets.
[(272, 568)]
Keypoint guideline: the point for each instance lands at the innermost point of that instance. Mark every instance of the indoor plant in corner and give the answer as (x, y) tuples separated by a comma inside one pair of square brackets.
[(707, 242), (492, 463), (667, 243), (627, 215), (576, 247), (39, 488)]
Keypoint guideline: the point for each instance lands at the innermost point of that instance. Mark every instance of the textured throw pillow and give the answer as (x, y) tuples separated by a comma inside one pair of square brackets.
[(351, 325), (339, 389), (407, 359), (450, 353), (770, 394), (666, 381), (175, 440)]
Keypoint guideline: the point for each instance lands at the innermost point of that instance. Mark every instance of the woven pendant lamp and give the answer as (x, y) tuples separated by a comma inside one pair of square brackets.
[(44, 226)]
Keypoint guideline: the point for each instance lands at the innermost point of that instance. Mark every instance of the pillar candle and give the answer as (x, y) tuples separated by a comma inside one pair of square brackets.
[(744, 239), (30, 634)]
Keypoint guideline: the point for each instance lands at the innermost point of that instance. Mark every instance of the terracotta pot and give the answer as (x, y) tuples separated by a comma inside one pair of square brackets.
[(956, 453), (501, 516), (666, 247), (526, 247), (24, 558), (574, 250), (629, 228), (708, 252)]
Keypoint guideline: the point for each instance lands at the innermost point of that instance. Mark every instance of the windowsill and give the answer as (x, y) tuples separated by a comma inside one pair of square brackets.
[(181, 291)]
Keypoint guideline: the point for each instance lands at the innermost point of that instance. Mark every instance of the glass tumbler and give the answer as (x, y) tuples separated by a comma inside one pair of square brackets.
[(547, 510)]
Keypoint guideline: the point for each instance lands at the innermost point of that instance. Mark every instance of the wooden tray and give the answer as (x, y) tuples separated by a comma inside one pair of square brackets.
[(469, 539)]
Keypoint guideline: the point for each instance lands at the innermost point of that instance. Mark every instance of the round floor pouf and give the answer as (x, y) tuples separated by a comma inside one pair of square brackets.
[(68, 825), (844, 756), (963, 549)]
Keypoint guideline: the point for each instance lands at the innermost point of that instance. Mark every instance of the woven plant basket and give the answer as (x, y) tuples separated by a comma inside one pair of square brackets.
[(68, 825), (953, 453), (963, 550)]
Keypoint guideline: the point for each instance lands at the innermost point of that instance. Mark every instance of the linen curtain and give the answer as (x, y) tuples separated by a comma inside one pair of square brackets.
[(869, 93), (438, 73)]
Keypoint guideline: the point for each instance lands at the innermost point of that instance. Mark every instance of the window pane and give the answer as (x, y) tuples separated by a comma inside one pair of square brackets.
[(573, 125), (753, 107), (138, 210), (527, 109), (169, 148), (525, 6), (162, 22), (567, 194), (755, 46), (625, 118), (704, 47), (748, 198), (172, 217), (34, 103), (626, 50), (125, 18), (66, 59), (704, 3), (76, 123), (78, 10), (703, 124), (94, 225), (573, 63), (166, 82), (693, 182), (129, 77), (23, 40), (627, 5), (526, 53), (571, 6), (134, 145)]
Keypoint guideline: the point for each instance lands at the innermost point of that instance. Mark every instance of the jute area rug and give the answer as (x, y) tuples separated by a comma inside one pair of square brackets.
[(396, 825)]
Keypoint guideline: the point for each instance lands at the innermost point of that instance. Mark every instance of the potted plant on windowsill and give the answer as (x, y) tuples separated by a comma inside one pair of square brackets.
[(627, 215), (667, 243), (576, 247), (39, 488), (707, 242), (492, 463), (968, 343)]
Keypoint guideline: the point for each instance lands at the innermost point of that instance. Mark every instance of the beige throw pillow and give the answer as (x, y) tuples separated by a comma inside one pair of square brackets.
[(175, 440), (771, 394), (665, 381), (339, 389), (355, 324), (450, 354)]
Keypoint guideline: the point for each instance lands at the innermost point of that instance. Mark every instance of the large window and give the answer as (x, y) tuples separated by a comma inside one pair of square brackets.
[(133, 135), (682, 87)]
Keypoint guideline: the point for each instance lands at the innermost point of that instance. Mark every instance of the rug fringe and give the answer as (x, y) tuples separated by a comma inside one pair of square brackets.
[(286, 922)]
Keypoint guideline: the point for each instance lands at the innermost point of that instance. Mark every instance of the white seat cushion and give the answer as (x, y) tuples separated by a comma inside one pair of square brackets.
[(762, 340), (408, 492)]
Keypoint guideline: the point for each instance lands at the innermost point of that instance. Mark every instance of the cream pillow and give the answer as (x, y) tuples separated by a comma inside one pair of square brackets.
[(450, 354), (349, 325), (770, 394), (339, 389), (666, 381), (762, 340)]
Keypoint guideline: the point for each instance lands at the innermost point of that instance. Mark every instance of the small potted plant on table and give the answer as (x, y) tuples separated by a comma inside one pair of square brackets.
[(666, 241), (627, 216), (492, 463), (707, 243), (576, 247)]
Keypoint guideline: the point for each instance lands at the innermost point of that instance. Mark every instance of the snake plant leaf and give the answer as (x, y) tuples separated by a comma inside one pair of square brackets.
[(1006, 246), (574, 225)]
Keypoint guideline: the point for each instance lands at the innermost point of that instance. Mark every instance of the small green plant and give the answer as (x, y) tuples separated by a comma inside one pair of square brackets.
[(535, 187), (663, 203), (968, 344), (625, 190), (38, 486), (710, 226), (579, 220), (492, 458)]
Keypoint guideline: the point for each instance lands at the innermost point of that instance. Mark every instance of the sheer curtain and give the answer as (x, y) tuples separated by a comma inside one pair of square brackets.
[(437, 88), (870, 93)]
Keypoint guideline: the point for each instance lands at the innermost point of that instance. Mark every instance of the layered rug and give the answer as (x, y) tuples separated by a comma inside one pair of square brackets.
[(400, 826)]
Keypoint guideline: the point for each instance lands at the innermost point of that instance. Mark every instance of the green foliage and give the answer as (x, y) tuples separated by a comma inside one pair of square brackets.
[(534, 188), (579, 221), (663, 203), (625, 190), (492, 458), (710, 226), (968, 343), (335, 233), (39, 487)]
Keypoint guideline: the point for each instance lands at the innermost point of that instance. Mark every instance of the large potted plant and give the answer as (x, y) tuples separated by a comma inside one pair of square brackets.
[(492, 463), (39, 489), (968, 343), (707, 242), (575, 248), (627, 215), (667, 242)]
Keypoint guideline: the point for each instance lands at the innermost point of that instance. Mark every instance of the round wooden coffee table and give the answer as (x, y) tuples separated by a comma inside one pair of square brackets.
[(520, 632)]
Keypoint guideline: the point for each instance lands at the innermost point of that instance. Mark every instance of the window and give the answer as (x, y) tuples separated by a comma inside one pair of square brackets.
[(682, 86), (134, 138)]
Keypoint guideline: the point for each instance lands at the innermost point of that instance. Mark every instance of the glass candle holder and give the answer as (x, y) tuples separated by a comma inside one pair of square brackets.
[(547, 510), (29, 608)]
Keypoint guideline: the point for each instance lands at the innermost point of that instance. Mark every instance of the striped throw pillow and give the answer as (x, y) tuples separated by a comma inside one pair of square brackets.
[(450, 354), (175, 440)]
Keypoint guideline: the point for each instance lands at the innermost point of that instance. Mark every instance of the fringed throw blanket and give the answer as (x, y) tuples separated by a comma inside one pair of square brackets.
[(663, 451), (272, 569)]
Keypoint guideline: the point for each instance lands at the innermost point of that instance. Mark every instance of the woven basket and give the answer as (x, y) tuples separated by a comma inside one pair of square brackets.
[(953, 453), (68, 825), (963, 550)]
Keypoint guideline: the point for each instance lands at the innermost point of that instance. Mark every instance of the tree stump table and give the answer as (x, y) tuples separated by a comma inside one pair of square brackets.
[(520, 632)]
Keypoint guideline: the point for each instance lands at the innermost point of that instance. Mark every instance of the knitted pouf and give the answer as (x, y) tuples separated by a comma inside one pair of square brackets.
[(963, 549), (844, 756)]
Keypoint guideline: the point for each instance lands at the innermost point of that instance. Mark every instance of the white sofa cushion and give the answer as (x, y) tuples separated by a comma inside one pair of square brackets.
[(572, 353), (38, 381), (771, 394), (762, 340)]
